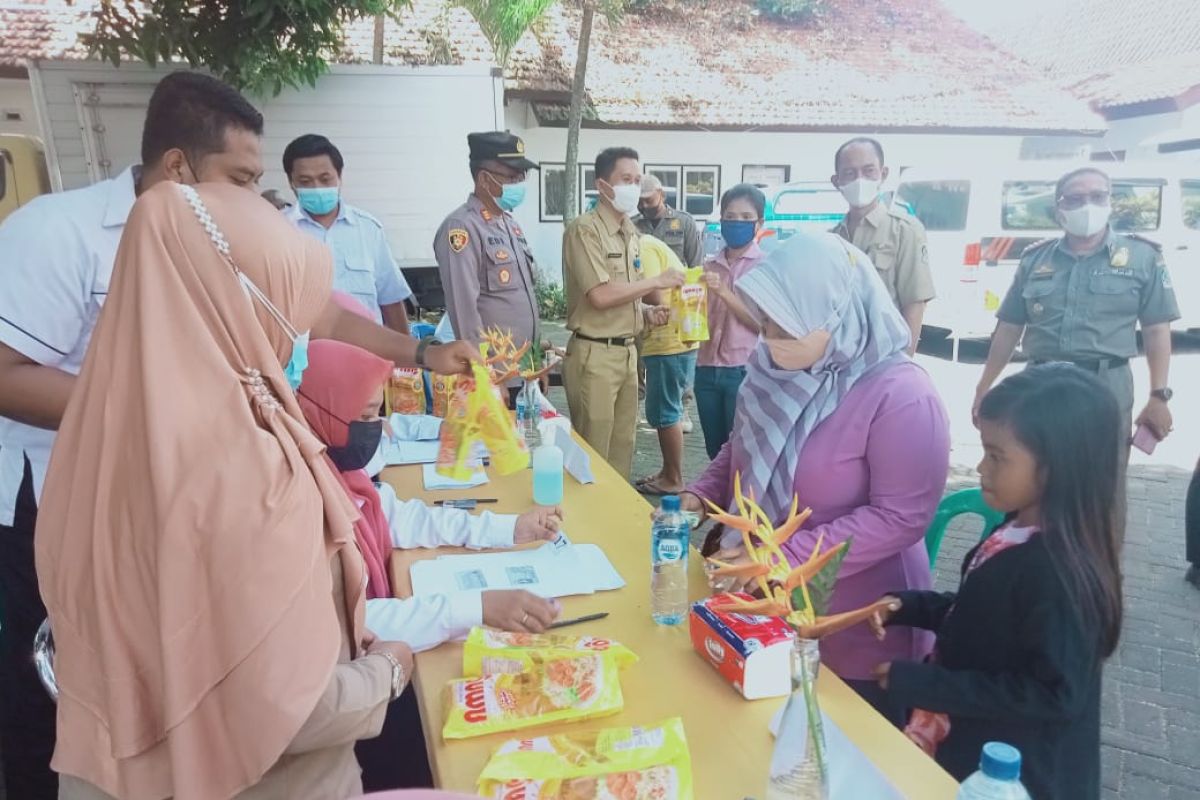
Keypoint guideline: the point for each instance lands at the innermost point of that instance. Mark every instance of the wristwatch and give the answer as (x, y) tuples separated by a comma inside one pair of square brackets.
[(397, 673), (422, 346), (1163, 394)]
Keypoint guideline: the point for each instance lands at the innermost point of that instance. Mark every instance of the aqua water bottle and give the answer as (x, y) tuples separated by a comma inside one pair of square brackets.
[(669, 539), (999, 775)]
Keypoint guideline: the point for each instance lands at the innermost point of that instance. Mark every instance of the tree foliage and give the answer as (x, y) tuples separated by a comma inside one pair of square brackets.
[(790, 10), (504, 22), (260, 45)]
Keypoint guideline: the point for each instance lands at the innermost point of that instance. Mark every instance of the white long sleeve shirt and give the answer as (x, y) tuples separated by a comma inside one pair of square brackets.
[(425, 622)]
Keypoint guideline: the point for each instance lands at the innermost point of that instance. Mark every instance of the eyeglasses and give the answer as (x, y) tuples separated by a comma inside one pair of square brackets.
[(1080, 200)]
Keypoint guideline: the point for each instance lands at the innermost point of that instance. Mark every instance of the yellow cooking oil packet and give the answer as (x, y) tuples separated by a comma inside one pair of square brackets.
[(405, 392), (691, 306), (645, 763), (475, 413), (491, 652), (562, 688), (442, 389)]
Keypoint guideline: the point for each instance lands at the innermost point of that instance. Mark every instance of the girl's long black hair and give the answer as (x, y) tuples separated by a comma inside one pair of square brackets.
[(1072, 425)]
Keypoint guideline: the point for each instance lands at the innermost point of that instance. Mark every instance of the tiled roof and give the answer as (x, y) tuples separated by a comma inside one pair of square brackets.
[(867, 64), (1110, 52), (32, 29), (862, 65)]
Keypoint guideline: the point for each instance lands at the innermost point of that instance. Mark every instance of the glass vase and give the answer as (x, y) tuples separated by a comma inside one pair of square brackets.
[(799, 765)]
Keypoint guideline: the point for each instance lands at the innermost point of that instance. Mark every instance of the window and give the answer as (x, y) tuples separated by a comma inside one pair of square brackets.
[(940, 205), (552, 184), (1029, 205), (700, 188), (763, 175), (691, 189), (1191, 203), (670, 181), (589, 195)]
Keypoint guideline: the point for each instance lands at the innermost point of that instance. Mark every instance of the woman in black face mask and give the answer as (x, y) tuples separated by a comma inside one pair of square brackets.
[(340, 395)]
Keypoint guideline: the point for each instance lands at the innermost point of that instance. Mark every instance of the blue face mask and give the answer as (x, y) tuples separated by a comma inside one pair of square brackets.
[(738, 232), (511, 196), (294, 371), (318, 200)]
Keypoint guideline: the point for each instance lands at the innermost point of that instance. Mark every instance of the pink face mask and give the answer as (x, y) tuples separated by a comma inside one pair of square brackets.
[(798, 354)]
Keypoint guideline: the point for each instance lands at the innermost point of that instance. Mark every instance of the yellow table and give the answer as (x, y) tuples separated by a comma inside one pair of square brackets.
[(728, 737)]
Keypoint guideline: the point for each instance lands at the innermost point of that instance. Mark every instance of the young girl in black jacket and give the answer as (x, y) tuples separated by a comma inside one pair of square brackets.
[(1020, 646)]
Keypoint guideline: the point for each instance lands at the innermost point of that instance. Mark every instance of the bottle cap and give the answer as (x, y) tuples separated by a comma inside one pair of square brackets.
[(1000, 761), (670, 502)]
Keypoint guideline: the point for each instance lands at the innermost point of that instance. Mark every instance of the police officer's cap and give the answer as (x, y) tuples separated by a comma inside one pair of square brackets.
[(500, 146)]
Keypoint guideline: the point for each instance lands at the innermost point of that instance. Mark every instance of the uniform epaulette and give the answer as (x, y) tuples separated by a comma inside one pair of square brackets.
[(1038, 245), (1143, 239), (368, 217), (900, 212)]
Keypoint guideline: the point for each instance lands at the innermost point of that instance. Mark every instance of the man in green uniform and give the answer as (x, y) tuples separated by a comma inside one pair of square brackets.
[(1080, 299), (602, 274), (669, 225), (889, 235)]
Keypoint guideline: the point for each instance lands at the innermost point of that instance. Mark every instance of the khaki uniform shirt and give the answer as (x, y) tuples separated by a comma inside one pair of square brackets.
[(1088, 307), (676, 229), (601, 246), (486, 268), (895, 242)]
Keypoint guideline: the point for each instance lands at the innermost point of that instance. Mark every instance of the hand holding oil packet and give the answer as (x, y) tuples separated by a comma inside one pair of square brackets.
[(475, 413), (690, 306), (650, 763)]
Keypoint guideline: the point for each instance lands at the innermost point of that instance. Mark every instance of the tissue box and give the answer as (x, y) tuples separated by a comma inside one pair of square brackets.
[(752, 653)]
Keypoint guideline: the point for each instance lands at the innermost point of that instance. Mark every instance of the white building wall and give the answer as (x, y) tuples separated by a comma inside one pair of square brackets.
[(403, 133), (16, 107), (810, 156)]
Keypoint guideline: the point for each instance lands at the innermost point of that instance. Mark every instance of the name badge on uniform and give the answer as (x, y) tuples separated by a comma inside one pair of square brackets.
[(616, 255), (675, 225), (1044, 269), (1120, 258)]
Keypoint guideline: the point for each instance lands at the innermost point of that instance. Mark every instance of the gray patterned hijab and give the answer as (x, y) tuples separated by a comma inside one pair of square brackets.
[(812, 282)]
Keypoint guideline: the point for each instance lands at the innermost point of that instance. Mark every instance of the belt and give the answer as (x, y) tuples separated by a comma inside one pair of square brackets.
[(1090, 364), (615, 341)]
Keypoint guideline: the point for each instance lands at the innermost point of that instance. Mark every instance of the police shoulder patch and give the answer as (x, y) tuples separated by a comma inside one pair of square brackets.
[(458, 239)]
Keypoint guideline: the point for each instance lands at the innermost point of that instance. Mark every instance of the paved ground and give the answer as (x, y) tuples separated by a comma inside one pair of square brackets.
[(1151, 711)]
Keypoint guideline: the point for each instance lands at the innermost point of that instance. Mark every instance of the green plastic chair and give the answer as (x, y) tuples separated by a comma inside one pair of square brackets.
[(965, 501)]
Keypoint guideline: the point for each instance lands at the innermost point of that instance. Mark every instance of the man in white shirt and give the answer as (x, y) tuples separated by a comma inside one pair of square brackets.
[(362, 260)]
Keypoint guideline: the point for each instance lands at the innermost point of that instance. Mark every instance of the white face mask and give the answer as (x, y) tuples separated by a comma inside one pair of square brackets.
[(625, 197), (1087, 220), (861, 192)]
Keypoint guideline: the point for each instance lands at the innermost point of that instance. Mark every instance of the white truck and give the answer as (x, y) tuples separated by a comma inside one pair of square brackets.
[(403, 132)]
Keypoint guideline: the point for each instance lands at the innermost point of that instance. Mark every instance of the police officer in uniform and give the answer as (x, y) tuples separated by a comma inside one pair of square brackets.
[(893, 238), (1080, 298), (484, 260), (677, 229), (605, 289)]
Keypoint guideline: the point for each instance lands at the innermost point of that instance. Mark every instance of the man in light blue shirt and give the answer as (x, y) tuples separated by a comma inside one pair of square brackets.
[(363, 266)]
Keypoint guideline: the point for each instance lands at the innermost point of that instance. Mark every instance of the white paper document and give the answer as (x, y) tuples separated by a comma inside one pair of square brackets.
[(433, 480), (851, 773), (547, 571), (404, 452), (415, 427)]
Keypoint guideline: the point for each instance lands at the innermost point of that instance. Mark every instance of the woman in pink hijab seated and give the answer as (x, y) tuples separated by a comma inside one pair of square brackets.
[(340, 396)]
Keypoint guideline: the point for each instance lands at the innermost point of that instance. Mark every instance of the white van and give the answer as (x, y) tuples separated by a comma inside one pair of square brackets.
[(980, 220)]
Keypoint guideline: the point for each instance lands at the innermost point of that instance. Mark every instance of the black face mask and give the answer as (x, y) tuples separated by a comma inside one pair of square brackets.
[(361, 443)]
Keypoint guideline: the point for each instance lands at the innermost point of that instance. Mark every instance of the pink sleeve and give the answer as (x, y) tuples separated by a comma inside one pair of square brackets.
[(908, 456), (716, 482)]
